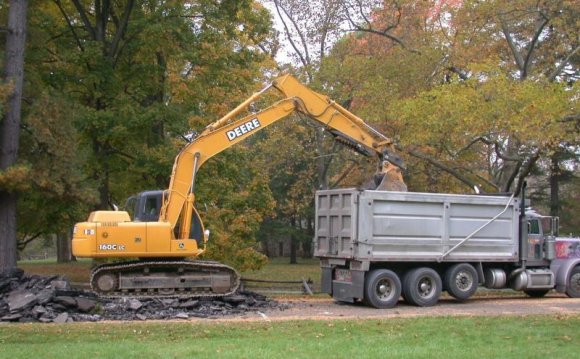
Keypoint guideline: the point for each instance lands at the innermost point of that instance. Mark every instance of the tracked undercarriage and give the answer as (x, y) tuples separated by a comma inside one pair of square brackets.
[(164, 278)]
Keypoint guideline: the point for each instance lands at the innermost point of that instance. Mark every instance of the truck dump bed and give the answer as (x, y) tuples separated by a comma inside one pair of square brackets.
[(407, 226)]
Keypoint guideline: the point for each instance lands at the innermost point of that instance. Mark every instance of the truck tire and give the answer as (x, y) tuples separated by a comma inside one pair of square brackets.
[(422, 287), (536, 293), (461, 281), (573, 283), (382, 289)]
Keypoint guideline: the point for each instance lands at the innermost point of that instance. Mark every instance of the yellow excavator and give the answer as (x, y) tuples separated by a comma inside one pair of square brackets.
[(166, 232)]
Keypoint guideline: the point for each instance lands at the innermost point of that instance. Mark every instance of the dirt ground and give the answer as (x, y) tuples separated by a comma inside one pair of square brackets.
[(327, 309)]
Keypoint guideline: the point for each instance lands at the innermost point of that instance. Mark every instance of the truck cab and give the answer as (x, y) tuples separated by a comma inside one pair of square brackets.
[(541, 238)]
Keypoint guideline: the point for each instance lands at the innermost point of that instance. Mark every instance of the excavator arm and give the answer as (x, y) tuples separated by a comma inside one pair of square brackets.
[(350, 130)]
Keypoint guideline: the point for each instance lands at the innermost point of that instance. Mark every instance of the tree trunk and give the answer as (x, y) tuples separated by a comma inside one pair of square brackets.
[(293, 243), (63, 248), (322, 162), (307, 245), (10, 126), (7, 231), (555, 186)]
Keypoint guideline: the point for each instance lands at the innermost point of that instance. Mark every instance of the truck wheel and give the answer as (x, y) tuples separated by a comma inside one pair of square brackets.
[(382, 289), (573, 283), (422, 287), (536, 293), (461, 281)]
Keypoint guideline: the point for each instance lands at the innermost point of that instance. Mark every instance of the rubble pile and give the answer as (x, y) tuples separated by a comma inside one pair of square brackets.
[(33, 298)]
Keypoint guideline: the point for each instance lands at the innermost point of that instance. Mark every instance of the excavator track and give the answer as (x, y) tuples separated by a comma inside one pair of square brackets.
[(146, 279)]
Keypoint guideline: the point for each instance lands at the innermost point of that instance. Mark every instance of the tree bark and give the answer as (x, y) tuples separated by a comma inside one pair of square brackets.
[(293, 243), (307, 245), (555, 186), (10, 126), (63, 248)]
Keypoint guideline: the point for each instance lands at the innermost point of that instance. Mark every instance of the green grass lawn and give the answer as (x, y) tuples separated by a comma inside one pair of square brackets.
[(447, 337), (75, 271)]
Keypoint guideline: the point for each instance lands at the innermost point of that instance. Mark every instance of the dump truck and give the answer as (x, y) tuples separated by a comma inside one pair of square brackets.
[(376, 246)]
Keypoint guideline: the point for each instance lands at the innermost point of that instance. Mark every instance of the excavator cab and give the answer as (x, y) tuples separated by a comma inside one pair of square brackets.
[(145, 206)]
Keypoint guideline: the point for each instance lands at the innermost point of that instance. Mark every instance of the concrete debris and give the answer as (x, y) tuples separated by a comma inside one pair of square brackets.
[(20, 299), (68, 302), (135, 304), (85, 305), (61, 318), (181, 315), (31, 298)]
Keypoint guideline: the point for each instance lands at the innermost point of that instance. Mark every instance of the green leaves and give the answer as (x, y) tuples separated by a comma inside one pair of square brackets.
[(15, 178), (111, 88)]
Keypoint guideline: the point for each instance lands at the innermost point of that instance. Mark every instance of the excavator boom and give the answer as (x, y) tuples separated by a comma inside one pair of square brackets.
[(228, 131), (178, 232)]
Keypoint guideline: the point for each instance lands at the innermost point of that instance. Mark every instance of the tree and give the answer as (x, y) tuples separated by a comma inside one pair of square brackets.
[(11, 175), (112, 88), (488, 94)]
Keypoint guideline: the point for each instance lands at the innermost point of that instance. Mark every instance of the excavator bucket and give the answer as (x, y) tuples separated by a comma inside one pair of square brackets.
[(388, 178), (392, 180)]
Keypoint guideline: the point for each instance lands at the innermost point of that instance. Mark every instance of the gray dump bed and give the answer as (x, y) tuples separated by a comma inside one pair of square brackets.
[(409, 226)]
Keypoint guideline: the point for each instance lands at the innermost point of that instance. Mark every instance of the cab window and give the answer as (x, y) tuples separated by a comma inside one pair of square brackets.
[(130, 206), (151, 206), (534, 227)]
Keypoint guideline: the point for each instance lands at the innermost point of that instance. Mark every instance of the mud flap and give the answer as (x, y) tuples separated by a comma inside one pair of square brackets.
[(349, 291)]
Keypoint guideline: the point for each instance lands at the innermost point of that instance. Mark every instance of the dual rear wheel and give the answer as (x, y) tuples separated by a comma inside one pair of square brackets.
[(419, 286)]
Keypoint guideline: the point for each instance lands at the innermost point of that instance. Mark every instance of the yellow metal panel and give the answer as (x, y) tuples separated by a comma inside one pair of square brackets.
[(158, 237), (121, 239), (83, 242), (109, 216), (184, 248)]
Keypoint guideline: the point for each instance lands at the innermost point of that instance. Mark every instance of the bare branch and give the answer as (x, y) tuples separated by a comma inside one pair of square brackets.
[(25, 240), (525, 171), (442, 166), (497, 147), (83, 14), (511, 42), (304, 59), (512, 177), (533, 43), (437, 67), (486, 181), (115, 50), (69, 23), (384, 32), (563, 64), (354, 164)]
